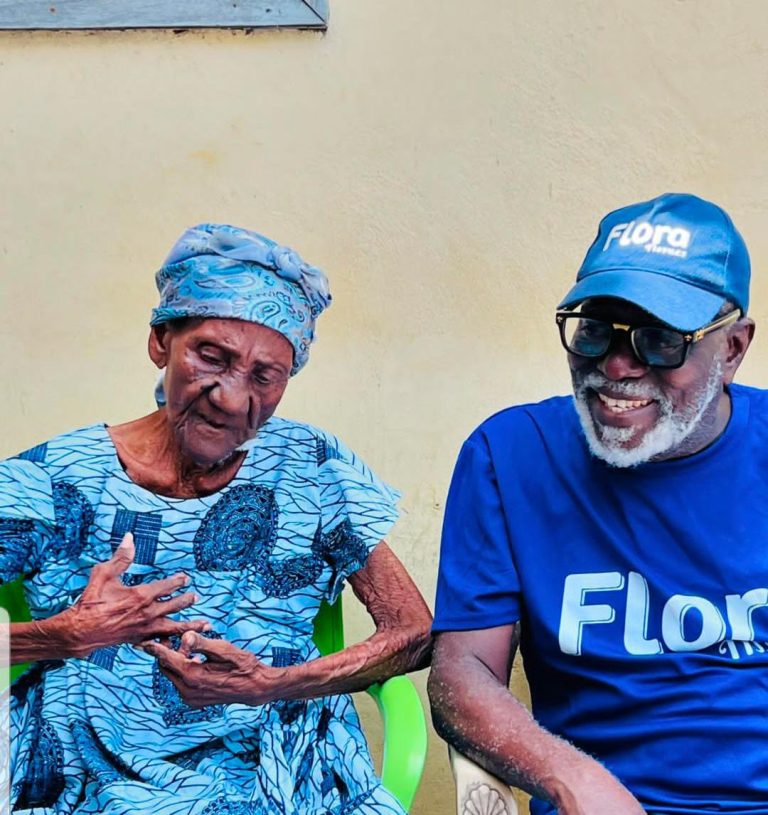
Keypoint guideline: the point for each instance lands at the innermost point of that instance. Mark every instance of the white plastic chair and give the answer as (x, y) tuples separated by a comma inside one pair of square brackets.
[(477, 791)]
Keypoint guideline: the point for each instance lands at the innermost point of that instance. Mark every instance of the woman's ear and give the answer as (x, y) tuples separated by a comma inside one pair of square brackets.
[(157, 344)]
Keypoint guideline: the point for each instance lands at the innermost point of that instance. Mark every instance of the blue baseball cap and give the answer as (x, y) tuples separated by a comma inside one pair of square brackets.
[(677, 256)]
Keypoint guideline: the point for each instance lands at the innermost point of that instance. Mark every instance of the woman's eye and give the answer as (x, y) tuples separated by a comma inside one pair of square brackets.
[(210, 357), (268, 378)]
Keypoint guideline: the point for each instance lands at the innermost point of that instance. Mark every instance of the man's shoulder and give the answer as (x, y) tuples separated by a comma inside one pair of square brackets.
[(756, 397), (550, 415)]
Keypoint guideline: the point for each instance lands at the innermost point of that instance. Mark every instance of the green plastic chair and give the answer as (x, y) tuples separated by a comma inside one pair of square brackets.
[(405, 728)]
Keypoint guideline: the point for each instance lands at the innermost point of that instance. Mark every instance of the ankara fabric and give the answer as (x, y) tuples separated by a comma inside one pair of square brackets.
[(643, 596), (110, 734)]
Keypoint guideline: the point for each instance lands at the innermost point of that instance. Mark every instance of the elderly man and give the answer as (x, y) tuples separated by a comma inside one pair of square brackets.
[(619, 534)]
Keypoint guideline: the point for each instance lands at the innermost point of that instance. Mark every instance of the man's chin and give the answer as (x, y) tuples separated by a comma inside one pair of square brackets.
[(620, 443)]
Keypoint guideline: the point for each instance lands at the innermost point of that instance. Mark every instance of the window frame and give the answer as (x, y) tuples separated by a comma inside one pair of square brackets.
[(73, 15)]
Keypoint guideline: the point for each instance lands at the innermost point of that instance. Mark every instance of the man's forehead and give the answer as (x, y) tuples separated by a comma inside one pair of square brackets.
[(619, 311)]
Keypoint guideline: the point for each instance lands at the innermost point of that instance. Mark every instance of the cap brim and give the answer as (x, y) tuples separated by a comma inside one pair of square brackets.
[(672, 301)]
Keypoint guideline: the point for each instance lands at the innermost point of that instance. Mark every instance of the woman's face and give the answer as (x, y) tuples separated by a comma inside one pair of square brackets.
[(223, 380)]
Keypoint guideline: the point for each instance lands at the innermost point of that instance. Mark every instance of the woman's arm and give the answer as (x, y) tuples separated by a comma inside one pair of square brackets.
[(401, 643), (107, 613)]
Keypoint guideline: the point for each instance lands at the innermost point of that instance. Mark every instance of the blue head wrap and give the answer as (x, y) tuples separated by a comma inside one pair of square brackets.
[(217, 270)]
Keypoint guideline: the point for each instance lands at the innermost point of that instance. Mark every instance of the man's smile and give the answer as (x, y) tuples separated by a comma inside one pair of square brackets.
[(607, 408), (622, 405)]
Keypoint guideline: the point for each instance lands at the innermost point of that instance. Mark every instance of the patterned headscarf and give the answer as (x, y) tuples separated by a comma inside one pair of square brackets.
[(217, 270)]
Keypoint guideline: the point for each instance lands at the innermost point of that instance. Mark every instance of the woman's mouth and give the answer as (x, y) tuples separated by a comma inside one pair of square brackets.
[(210, 422)]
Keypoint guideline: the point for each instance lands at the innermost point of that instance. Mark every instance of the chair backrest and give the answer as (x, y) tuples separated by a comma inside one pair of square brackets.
[(329, 628), (405, 729), (12, 600)]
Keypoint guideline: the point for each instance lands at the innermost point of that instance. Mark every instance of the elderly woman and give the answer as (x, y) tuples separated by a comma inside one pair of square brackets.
[(174, 566)]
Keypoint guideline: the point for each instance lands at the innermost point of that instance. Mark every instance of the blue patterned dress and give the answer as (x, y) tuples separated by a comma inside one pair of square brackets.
[(110, 734)]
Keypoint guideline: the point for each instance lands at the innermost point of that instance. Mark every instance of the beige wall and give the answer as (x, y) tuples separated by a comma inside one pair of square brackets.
[(446, 162)]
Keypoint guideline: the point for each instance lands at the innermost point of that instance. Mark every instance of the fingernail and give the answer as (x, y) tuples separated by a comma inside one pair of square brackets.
[(207, 627)]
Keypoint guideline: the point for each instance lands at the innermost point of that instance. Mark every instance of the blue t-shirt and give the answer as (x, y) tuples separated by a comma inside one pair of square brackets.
[(643, 596)]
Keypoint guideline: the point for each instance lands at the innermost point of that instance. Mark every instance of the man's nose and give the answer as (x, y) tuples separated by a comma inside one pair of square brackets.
[(230, 394), (620, 362)]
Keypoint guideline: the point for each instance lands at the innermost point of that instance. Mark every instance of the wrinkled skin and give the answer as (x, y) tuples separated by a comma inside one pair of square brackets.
[(223, 380), (473, 710), (472, 707), (108, 613), (229, 674)]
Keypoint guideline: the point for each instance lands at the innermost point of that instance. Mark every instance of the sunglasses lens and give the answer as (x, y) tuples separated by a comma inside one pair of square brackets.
[(661, 347), (586, 337)]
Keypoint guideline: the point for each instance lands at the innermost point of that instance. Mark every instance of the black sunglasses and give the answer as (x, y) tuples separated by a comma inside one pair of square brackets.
[(656, 346)]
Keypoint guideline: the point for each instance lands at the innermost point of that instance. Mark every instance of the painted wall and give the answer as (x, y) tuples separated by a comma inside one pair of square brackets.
[(445, 162)]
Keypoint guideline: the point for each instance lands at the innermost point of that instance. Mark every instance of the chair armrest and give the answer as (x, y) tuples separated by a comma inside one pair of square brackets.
[(479, 789), (405, 737)]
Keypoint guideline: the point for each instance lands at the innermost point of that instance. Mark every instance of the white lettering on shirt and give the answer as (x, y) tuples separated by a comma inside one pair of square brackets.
[(575, 613), (688, 622), (673, 623), (740, 608), (636, 620)]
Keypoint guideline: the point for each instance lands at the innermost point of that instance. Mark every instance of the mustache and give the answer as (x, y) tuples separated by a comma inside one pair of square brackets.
[(594, 380)]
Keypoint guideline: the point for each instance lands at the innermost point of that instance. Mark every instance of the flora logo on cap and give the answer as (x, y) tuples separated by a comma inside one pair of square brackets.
[(660, 239)]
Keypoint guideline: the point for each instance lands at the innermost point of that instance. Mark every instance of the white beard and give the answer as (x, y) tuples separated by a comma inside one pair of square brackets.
[(672, 427)]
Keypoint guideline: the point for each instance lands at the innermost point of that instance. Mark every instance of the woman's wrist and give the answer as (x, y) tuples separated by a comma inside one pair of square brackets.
[(268, 684), (50, 638)]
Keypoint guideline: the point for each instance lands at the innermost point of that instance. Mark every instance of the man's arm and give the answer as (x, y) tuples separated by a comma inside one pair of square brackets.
[(401, 643), (473, 710)]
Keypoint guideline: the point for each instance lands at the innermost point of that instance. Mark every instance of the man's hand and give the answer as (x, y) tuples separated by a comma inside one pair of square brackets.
[(110, 613), (229, 675), (595, 792)]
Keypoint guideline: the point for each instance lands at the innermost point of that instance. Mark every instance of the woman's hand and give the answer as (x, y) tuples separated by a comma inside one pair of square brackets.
[(401, 643), (229, 675), (110, 613)]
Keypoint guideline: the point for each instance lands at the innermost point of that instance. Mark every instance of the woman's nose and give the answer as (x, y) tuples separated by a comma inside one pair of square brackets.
[(231, 395)]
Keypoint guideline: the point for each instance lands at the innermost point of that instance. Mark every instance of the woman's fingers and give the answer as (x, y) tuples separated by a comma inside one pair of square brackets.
[(117, 564), (167, 657), (167, 607), (213, 650), (167, 586), (171, 628), (193, 697)]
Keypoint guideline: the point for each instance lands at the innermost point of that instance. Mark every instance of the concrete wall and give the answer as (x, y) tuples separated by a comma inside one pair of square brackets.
[(445, 162)]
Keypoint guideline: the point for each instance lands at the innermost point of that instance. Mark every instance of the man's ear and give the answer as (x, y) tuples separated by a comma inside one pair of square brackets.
[(158, 344), (739, 338)]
